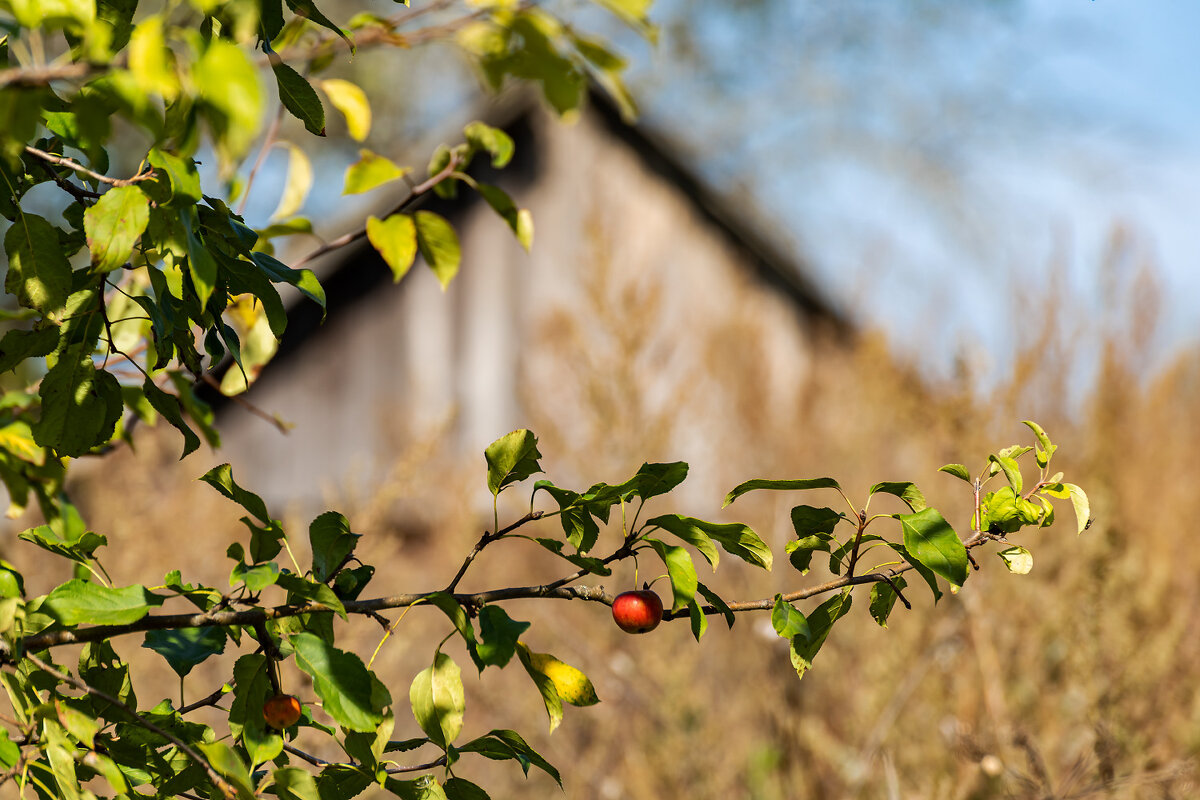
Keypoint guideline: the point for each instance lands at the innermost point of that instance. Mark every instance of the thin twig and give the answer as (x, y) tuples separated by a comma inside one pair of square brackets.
[(148, 175), (225, 788), (418, 191), (268, 143), (40, 76), (246, 404), (210, 700), (484, 541)]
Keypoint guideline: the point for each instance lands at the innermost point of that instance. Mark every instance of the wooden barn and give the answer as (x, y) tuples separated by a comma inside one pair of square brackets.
[(652, 320)]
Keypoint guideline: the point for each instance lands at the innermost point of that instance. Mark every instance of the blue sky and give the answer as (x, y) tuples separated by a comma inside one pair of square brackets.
[(944, 171)]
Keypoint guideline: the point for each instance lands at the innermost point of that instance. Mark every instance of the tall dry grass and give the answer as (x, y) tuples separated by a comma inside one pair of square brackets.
[(1078, 680)]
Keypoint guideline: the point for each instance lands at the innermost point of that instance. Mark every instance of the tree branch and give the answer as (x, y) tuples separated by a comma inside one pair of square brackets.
[(148, 175), (418, 191), (225, 788)]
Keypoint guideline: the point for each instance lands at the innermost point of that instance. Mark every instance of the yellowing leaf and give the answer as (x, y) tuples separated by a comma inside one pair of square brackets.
[(1018, 560), (439, 245), (396, 240), (371, 171), (299, 182), (572, 685), (349, 99)]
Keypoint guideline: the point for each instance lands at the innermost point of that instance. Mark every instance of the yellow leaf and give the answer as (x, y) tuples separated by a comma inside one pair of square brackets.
[(572, 685), (349, 99), (299, 182)]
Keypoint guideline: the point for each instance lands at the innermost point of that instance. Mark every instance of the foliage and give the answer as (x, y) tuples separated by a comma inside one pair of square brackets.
[(133, 291)]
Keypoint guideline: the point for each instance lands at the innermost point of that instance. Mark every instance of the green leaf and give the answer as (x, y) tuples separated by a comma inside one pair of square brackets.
[(256, 577), (113, 226), (929, 539), (294, 783), (370, 172), (883, 598), (1018, 560), (251, 690), (17, 346), (168, 405), (452, 609), (737, 539), (301, 590), (332, 543), (227, 85), (221, 479), (1011, 469), (787, 620), (503, 745), (348, 691), (1083, 509), (150, 60), (437, 700), (782, 485), (716, 602), (349, 99), (693, 534), (926, 574), (38, 271), (519, 219), (395, 239), (202, 267), (595, 566), (511, 459), (820, 622), (80, 405), (226, 761), (697, 618), (76, 602), (79, 549), (184, 648), (905, 490), (652, 480), (1004, 511), (439, 246), (302, 279), (299, 98), (957, 470), (493, 140), (498, 635), (178, 181), (680, 570), (576, 520), (461, 789)]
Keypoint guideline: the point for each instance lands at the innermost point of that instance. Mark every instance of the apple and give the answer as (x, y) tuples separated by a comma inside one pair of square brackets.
[(637, 611), (281, 711)]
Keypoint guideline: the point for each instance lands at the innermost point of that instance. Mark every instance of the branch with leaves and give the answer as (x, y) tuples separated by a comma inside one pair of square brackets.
[(355, 707)]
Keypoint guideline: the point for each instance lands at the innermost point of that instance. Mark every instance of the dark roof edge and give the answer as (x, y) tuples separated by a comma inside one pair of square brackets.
[(775, 266)]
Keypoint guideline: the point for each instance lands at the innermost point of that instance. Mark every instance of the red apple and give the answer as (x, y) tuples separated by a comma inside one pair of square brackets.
[(637, 611), (281, 711)]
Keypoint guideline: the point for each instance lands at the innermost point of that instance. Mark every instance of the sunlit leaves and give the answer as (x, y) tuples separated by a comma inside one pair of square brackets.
[(557, 682), (395, 239), (349, 692), (352, 102), (76, 602), (439, 245), (221, 479), (737, 539), (151, 61), (518, 219), (227, 83), (436, 696), (779, 485), (930, 540), (38, 271), (820, 622), (510, 459), (80, 405), (680, 569), (1018, 560), (883, 598), (299, 183), (371, 171), (113, 226)]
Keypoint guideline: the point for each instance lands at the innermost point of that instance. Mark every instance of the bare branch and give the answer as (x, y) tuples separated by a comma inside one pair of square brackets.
[(148, 175)]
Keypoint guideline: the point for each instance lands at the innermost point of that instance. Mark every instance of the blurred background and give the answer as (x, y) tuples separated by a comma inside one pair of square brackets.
[(852, 239)]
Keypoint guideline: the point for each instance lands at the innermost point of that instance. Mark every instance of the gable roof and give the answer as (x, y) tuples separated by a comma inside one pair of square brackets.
[(355, 271)]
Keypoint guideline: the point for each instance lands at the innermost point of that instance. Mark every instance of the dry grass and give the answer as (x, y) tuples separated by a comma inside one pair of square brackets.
[(1078, 680)]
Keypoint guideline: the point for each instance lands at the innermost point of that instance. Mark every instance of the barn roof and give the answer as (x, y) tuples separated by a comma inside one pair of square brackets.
[(353, 272)]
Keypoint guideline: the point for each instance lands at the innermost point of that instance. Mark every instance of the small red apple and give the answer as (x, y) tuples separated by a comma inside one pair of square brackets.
[(637, 611), (281, 711)]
